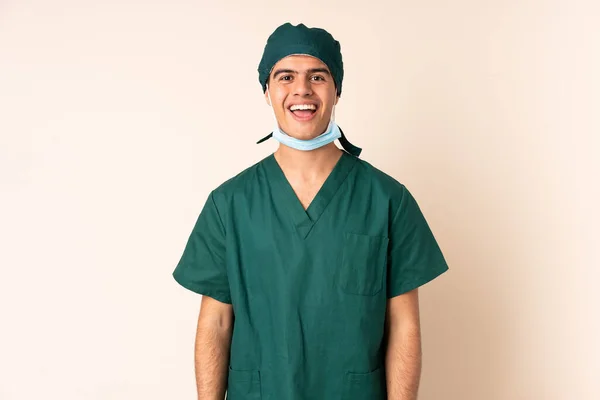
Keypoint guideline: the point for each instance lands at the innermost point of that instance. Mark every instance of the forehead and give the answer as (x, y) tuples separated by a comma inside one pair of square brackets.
[(299, 62)]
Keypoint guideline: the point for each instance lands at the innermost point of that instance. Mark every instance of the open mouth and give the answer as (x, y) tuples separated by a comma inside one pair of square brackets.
[(303, 112)]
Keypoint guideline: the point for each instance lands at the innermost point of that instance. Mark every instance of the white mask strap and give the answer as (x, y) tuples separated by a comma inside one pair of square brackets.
[(272, 108)]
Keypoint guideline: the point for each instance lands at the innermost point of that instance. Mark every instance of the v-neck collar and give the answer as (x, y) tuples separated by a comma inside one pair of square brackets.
[(304, 220)]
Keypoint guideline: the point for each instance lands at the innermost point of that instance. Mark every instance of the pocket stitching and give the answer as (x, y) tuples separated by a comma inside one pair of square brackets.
[(251, 376), (352, 379), (244, 375), (345, 245)]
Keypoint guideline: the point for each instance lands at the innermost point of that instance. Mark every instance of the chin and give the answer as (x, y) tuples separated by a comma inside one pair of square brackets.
[(306, 133)]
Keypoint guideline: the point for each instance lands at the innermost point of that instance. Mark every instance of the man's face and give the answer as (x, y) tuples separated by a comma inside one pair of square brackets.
[(302, 80)]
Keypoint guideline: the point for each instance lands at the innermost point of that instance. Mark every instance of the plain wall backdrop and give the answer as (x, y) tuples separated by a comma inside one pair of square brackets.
[(118, 118)]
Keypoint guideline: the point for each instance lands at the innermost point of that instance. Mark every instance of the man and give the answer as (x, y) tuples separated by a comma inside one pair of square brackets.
[(308, 261)]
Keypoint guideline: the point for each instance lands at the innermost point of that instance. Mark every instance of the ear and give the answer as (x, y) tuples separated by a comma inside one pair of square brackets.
[(267, 96), (337, 98)]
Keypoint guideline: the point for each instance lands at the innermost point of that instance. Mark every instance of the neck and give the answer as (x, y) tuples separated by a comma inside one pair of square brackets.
[(308, 164)]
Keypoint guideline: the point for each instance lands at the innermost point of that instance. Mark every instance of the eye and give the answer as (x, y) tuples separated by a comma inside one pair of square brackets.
[(285, 78), (318, 77)]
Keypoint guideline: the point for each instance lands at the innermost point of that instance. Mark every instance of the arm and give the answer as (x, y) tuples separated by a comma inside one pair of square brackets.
[(403, 354), (213, 341)]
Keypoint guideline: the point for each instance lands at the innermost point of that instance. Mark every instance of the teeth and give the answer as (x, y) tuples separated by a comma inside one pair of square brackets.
[(303, 107)]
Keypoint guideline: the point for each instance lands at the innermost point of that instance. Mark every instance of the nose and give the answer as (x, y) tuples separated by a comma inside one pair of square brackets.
[(302, 86)]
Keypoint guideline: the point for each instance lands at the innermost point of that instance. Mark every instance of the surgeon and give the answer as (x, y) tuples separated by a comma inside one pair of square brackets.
[(309, 261)]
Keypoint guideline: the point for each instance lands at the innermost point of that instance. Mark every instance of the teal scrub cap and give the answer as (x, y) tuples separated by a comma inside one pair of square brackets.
[(288, 39)]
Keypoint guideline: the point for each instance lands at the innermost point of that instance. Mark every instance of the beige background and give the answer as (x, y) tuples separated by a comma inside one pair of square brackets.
[(118, 118)]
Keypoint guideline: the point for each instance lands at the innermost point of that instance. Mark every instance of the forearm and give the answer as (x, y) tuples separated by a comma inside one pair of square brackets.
[(403, 363), (212, 360)]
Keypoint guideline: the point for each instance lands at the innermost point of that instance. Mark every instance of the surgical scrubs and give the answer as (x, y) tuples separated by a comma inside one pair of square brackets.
[(309, 287)]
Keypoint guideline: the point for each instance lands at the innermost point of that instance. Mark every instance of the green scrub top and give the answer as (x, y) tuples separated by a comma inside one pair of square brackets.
[(309, 288)]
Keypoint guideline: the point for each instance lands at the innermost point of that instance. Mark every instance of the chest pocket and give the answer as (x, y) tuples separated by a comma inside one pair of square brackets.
[(363, 264)]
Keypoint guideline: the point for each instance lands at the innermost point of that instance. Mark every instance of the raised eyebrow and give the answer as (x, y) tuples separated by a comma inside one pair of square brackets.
[(283, 71), (309, 71), (315, 70)]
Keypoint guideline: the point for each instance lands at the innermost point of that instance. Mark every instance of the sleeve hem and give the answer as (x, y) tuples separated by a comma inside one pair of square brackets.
[(415, 283), (203, 290)]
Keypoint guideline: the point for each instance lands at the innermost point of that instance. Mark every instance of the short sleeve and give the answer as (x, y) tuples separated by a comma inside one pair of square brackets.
[(414, 257), (202, 268)]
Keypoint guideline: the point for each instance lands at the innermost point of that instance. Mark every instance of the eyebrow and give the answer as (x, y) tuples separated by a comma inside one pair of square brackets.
[(308, 71)]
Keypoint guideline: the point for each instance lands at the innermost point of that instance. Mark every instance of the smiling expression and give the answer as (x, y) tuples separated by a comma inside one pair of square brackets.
[(303, 94)]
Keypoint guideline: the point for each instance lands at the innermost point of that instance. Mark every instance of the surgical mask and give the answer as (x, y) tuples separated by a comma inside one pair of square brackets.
[(332, 132)]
